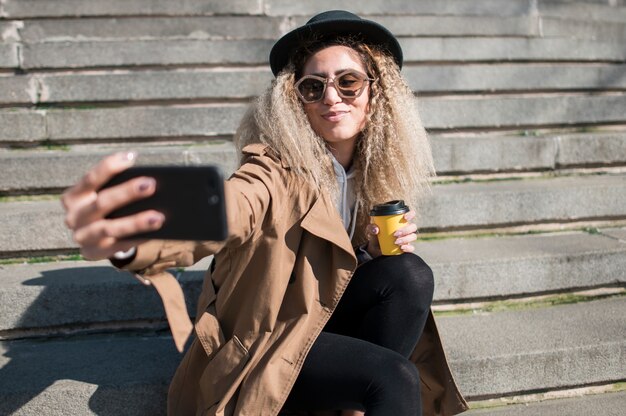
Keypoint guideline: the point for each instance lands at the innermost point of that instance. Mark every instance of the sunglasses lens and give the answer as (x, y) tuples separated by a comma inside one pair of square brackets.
[(350, 84), (311, 89)]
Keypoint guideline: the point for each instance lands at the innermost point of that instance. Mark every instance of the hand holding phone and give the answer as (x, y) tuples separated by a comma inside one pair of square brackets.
[(190, 197)]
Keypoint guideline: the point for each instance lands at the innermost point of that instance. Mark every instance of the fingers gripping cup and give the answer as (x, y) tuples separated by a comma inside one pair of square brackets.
[(389, 217)]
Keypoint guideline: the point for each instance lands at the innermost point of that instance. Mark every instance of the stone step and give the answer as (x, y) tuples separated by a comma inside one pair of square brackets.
[(615, 12), (58, 169), (9, 30), (564, 199), (74, 8), (400, 7), (583, 28), (490, 354), (452, 206), (242, 83), (34, 171), (88, 54), (465, 269), (607, 404), (9, 55), (43, 8), (537, 349), (108, 374), (198, 27), (272, 27), (205, 121), (268, 27)]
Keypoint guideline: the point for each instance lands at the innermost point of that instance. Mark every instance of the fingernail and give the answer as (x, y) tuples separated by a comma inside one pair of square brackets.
[(398, 242), (128, 156), (155, 219), (146, 184), (396, 234)]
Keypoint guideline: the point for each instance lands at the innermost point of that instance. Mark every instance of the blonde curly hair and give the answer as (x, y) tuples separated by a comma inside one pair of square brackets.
[(392, 158)]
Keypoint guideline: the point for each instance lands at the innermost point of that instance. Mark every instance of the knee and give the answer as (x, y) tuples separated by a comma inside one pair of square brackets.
[(411, 275), (397, 376)]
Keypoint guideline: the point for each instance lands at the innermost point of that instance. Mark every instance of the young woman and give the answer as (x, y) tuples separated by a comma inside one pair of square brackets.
[(300, 313)]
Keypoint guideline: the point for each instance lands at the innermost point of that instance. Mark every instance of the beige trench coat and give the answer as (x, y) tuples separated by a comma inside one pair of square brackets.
[(276, 281)]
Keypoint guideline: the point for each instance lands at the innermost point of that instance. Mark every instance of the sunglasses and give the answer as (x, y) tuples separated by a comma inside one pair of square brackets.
[(349, 84)]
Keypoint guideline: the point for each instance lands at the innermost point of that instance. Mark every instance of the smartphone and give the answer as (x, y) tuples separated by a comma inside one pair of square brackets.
[(190, 197)]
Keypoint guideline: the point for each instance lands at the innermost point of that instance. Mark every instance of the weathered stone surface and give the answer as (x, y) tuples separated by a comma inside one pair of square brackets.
[(17, 89), (217, 27), (607, 404), (591, 149), (401, 7), (616, 233), (486, 267), (510, 49), (185, 51), (99, 292), (8, 55), (570, 344), (103, 374), (493, 354), (33, 226), (54, 169), (583, 29), (57, 169), (44, 8), (9, 31), (244, 83), (18, 126), (512, 111), (209, 120), (443, 25), (488, 153), (463, 269), (148, 52), (525, 201), (468, 205), (144, 122), (508, 77), (583, 11), (155, 85)]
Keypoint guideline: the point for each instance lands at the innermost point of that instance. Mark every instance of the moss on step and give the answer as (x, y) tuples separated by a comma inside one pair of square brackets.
[(549, 395), (23, 198), (525, 303), (41, 259)]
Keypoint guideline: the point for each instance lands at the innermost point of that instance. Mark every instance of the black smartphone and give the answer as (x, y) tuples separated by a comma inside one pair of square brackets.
[(190, 197)]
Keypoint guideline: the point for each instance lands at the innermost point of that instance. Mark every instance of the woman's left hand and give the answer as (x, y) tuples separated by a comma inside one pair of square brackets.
[(407, 234), (404, 236)]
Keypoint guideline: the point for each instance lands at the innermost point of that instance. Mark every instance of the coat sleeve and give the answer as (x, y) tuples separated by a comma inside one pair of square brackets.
[(249, 192)]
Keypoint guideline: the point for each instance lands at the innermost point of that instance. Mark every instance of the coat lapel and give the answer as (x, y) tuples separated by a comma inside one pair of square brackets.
[(323, 221)]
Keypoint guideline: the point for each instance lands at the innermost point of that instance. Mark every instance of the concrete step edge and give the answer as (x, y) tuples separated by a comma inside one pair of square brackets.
[(462, 157), (208, 121), (197, 84), (464, 269), (462, 206), (607, 403), (32, 368)]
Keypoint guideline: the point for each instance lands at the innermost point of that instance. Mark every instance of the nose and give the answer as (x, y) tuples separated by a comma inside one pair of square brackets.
[(330, 95)]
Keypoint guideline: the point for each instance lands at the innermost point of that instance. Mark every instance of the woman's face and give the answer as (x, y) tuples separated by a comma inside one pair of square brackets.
[(336, 119)]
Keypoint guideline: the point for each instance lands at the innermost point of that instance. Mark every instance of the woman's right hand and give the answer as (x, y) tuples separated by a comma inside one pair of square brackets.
[(86, 208)]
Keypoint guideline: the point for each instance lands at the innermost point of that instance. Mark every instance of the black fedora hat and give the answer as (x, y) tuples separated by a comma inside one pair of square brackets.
[(329, 25)]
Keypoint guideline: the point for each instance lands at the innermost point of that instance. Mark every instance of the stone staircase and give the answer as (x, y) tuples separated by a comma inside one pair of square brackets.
[(525, 101)]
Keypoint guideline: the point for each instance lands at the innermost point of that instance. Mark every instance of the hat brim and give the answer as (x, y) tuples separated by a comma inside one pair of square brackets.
[(372, 33)]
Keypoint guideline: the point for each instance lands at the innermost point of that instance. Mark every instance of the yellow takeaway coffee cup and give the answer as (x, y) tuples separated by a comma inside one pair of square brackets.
[(389, 217)]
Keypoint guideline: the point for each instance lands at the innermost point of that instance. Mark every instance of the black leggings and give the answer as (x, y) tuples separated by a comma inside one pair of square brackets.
[(360, 360)]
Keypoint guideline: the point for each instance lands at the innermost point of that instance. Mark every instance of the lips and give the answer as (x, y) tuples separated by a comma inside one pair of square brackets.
[(334, 116)]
